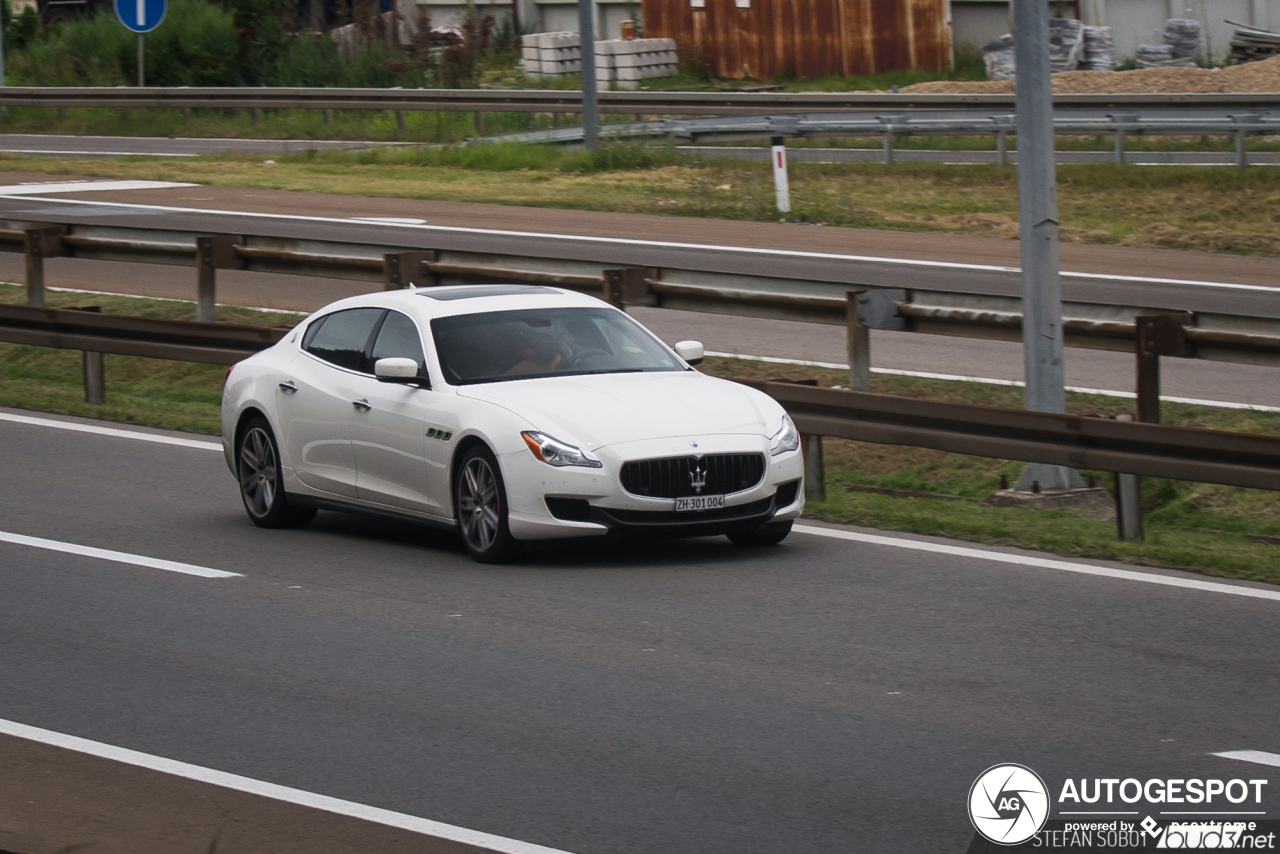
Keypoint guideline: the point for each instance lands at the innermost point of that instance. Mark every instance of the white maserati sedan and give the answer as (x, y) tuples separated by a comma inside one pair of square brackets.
[(511, 413)]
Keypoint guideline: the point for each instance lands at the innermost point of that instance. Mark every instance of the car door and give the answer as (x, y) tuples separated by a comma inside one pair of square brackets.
[(315, 400), (390, 437)]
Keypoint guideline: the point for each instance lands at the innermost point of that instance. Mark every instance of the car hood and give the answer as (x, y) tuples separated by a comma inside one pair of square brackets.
[(605, 409)]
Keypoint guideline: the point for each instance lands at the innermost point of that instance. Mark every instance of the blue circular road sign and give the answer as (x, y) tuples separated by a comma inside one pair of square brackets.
[(141, 16)]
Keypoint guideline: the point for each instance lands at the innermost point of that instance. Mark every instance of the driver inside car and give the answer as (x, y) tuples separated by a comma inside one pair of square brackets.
[(538, 350)]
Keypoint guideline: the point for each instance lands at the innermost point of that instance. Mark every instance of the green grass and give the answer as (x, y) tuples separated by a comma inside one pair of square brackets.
[(1211, 529)]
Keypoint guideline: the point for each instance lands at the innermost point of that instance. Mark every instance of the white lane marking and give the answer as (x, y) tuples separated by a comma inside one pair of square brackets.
[(1041, 563), (84, 186), (117, 557), (288, 795), (54, 151), (1256, 756), (926, 375), (391, 220), (110, 431), (669, 244)]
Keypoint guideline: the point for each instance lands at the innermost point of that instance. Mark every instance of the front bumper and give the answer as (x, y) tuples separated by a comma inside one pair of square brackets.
[(553, 503)]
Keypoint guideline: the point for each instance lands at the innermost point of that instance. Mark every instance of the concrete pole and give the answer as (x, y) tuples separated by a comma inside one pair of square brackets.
[(1042, 344), (587, 48)]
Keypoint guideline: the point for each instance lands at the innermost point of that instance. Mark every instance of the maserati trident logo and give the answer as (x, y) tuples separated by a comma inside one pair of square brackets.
[(698, 477)]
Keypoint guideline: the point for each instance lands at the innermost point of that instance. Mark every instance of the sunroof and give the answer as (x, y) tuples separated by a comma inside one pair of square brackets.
[(473, 291)]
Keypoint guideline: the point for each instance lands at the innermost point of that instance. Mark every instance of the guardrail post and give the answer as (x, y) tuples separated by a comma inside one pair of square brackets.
[(479, 124), (858, 339), (95, 386), (255, 114), (186, 115), (1002, 148), (213, 252), (630, 286), (815, 484), (888, 146), (400, 119), (1242, 154), (401, 269), (38, 244), (328, 116), (1119, 143)]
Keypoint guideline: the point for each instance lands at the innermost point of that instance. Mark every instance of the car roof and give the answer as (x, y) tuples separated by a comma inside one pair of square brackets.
[(446, 301)]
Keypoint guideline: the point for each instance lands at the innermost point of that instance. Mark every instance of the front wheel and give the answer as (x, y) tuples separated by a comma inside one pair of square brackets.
[(480, 500), (765, 535), (262, 480)]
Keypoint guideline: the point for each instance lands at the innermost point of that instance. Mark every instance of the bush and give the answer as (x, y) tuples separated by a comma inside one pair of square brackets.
[(196, 45)]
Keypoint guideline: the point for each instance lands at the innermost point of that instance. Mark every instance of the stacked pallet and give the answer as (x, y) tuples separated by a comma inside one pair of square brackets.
[(1251, 45), (551, 54), (619, 64)]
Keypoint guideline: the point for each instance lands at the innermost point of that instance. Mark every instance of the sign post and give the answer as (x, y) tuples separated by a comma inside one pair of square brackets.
[(141, 17)]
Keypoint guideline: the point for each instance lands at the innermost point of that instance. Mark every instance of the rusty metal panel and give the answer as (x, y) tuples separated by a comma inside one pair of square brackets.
[(808, 38)]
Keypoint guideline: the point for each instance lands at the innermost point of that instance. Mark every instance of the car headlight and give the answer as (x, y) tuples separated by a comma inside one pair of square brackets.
[(553, 452), (786, 439)]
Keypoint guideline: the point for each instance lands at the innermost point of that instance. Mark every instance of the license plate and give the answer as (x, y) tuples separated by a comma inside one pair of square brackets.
[(699, 502)]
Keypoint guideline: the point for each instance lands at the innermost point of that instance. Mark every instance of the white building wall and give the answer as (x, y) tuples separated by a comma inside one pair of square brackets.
[(1133, 22), (545, 16)]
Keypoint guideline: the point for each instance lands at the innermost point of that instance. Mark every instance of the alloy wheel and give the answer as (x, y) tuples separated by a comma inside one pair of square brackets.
[(258, 471), (478, 504)]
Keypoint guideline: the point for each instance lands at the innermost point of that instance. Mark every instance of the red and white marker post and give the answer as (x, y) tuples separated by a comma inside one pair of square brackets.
[(782, 188)]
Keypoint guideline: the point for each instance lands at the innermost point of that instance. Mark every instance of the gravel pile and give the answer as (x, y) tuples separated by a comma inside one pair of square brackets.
[(1251, 77)]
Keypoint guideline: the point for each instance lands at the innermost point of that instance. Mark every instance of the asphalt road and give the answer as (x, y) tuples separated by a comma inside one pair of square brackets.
[(821, 696), (1000, 360), (159, 146)]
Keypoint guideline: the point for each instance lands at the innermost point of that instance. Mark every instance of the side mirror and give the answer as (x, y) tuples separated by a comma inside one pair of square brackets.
[(399, 371), (690, 351)]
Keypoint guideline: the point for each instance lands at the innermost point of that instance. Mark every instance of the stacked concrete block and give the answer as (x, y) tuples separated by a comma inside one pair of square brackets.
[(551, 54), (623, 64)]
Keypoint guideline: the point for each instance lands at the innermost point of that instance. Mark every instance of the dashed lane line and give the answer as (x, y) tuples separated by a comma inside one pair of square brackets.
[(115, 557), (1258, 757), (424, 826)]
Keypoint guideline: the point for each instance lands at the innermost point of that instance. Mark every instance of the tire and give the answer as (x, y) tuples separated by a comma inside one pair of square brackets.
[(262, 480), (480, 501), (765, 535)]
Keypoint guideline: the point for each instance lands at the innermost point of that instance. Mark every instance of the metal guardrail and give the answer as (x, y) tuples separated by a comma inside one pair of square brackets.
[(570, 101), (1082, 442), (182, 341), (925, 123), (1100, 326), (1205, 456)]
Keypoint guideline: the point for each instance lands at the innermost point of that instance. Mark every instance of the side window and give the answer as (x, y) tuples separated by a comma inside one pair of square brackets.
[(399, 339), (342, 337)]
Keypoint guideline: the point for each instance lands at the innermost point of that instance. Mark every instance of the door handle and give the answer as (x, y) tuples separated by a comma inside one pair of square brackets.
[(288, 385), (362, 405)]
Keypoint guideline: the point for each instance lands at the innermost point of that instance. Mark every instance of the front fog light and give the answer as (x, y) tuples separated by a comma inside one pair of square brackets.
[(553, 452), (786, 439)]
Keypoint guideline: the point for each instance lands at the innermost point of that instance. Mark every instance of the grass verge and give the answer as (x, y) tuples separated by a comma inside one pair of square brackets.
[(1212, 529), (1214, 210)]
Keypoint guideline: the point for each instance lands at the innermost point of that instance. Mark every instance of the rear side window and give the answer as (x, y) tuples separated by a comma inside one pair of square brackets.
[(343, 336), (399, 339)]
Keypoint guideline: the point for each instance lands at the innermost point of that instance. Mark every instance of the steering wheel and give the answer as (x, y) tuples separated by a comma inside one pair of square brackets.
[(578, 357)]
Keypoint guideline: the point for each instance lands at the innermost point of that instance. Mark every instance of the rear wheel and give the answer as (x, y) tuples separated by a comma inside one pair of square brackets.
[(480, 500), (262, 480), (765, 535)]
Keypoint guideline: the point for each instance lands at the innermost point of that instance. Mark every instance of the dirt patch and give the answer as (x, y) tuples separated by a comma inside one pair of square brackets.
[(1161, 235), (1250, 77)]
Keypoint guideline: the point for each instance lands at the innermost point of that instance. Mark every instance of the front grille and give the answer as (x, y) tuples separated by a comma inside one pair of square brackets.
[(673, 477)]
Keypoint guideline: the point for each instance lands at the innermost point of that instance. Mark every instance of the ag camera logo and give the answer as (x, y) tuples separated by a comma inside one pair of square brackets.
[(1008, 804)]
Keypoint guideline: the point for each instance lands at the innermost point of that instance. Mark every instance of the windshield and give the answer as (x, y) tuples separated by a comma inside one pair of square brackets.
[(516, 345)]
